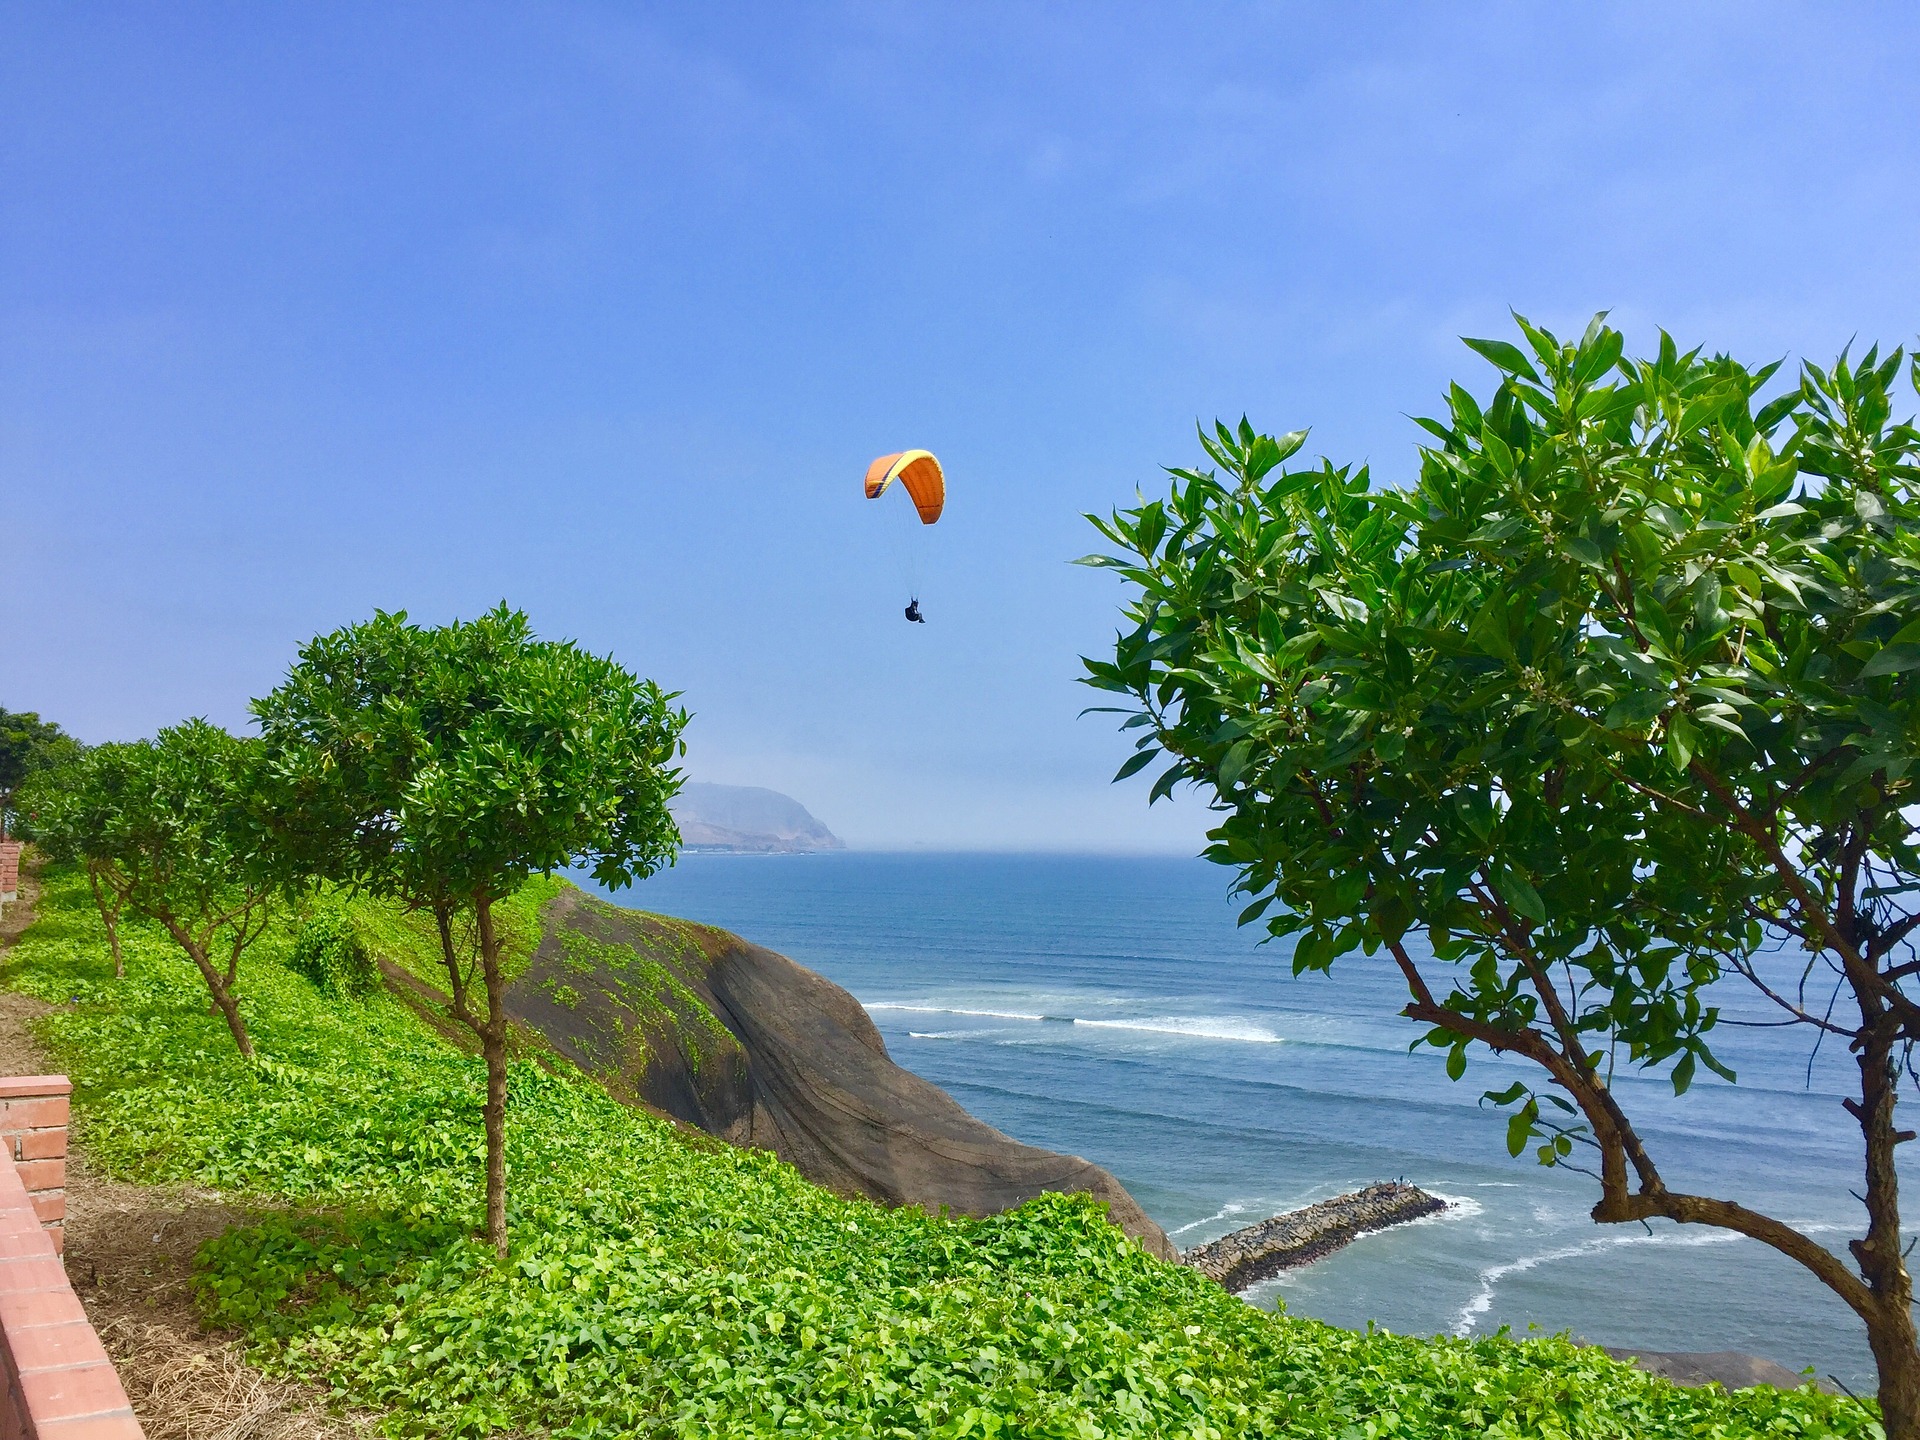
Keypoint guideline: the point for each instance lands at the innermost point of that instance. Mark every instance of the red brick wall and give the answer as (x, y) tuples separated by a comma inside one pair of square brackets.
[(9, 869), (33, 1133), (59, 1383)]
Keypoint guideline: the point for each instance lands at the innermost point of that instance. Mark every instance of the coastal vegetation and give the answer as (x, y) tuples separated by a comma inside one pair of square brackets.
[(660, 1282), (165, 828), (28, 746), (382, 858), (1615, 704), (442, 767), (439, 767)]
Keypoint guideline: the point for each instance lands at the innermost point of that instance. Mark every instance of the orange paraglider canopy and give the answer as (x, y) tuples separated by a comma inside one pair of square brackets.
[(919, 473)]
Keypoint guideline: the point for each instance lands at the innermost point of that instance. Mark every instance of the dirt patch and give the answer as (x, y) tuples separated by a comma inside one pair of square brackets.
[(129, 1253)]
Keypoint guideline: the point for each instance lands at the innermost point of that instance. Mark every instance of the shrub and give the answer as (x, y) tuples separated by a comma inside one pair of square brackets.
[(328, 952)]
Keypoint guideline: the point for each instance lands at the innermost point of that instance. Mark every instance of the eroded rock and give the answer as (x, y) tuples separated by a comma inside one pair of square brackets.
[(748, 1046)]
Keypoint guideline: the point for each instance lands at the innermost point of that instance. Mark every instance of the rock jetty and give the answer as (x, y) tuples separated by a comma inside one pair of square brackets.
[(1260, 1251)]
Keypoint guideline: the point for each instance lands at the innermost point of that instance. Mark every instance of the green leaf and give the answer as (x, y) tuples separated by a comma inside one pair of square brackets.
[(1599, 353), (1163, 787), (1498, 529), (1683, 1074), (1504, 356), (1234, 764), (1634, 709), (1262, 455), (1769, 416), (1501, 454), (1152, 525), (1519, 1131), (1891, 659), (1135, 764), (1586, 552), (1489, 631), (1682, 740), (1708, 618), (1521, 897)]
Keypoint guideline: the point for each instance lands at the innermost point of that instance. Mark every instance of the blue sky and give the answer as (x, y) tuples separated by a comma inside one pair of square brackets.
[(311, 309)]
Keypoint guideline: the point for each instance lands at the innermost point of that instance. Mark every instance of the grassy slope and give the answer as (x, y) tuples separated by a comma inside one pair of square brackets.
[(661, 1286)]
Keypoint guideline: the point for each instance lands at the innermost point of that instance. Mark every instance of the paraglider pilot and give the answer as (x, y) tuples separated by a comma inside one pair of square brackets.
[(920, 476)]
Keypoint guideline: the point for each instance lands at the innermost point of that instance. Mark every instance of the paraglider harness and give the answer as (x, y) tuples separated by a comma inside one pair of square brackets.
[(913, 611)]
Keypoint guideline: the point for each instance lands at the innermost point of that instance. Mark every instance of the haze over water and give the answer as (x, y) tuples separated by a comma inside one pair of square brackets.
[(1110, 1007)]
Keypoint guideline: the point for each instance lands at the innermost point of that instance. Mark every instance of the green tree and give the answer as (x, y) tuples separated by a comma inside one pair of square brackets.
[(65, 810), (28, 745), (1620, 697), (164, 829), (441, 767)]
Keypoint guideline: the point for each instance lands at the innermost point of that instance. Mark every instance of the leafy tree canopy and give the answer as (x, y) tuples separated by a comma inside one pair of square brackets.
[(166, 826), (444, 766), (1622, 694), (456, 761), (29, 745)]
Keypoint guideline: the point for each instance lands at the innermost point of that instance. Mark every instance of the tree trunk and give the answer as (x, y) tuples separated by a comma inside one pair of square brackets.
[(223, 997), (230, 1007), (1890, 1330), (493, 1041), (110, 918), (1894, 1357)]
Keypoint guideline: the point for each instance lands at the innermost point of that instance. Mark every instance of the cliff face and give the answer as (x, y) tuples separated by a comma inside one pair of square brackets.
[(749, 1046)]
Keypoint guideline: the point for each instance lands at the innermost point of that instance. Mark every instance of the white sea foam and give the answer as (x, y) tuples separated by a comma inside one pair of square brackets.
[(1225, 1212), (1490, 1278), (1196, 1027), (1459, 1207), (872, 1005)]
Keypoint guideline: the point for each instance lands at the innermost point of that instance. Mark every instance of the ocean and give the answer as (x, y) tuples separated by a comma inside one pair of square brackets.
[(1110, 1007)]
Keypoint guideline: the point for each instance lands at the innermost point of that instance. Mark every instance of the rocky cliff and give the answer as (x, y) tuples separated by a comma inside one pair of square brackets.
[(749, 1046), (748, 820)]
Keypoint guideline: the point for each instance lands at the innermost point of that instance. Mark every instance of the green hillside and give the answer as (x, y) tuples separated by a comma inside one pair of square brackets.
[(664, 1284)]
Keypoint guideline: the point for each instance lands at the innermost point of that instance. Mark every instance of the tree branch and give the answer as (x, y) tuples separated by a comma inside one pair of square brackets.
[(1728, 1215), (1868, 984), (1745, 968)]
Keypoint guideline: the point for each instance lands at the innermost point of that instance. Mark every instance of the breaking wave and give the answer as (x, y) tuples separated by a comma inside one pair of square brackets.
[(1194, 1027)]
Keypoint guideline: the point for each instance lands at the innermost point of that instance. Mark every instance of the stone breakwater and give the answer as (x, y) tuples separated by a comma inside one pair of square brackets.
[(1260, 1251)]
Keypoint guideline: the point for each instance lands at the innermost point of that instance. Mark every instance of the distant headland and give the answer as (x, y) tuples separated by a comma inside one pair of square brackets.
[(747, 820)]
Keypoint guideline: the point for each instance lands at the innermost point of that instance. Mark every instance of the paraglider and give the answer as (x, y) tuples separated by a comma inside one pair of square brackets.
[(920, 476)]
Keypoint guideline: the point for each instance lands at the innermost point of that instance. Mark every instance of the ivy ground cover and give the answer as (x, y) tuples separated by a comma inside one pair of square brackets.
[(662, 1284)]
